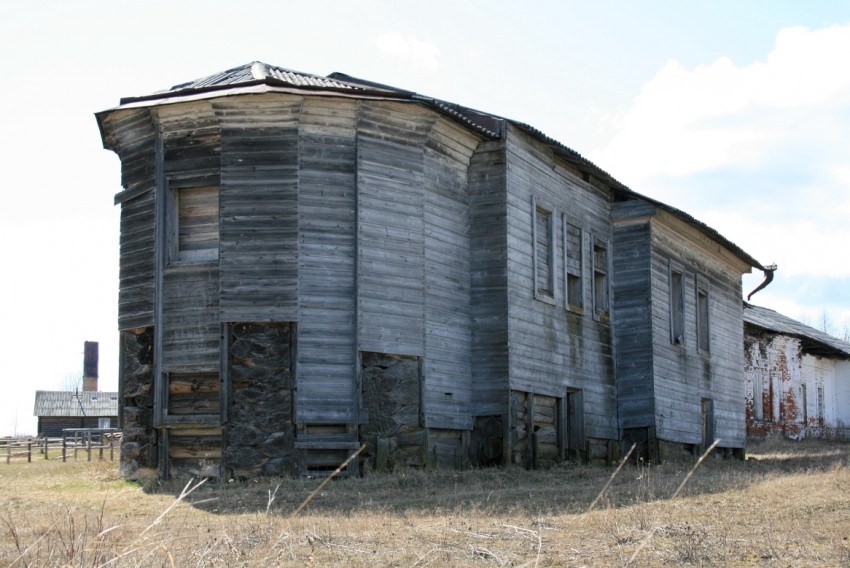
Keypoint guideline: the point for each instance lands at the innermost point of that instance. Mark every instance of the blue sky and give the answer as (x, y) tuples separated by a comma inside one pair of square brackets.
[(736, 112)]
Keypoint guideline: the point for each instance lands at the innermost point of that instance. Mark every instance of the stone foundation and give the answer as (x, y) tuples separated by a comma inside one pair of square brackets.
[(391, 398), (139, 441), (259, 436)]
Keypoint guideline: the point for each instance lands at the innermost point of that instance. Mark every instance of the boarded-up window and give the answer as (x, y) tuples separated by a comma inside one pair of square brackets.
[(600, 277), (194, 393), (703, 343), (573, 268), (575, 420), (758, 394), (677, 307), (544, 251), (197, 222)]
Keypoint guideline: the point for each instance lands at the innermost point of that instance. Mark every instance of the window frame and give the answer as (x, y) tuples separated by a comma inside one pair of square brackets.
[(547, 293), (601, 295), (162, 397), (702, 297), (174, 252), (573, 267), (676, 299)]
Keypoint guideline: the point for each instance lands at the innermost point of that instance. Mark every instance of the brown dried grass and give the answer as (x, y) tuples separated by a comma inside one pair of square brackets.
[(785, 506)]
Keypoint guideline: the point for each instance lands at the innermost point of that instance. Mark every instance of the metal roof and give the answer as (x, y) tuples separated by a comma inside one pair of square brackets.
[(490, 125), (75, 403), (813, 341), (254, 73)]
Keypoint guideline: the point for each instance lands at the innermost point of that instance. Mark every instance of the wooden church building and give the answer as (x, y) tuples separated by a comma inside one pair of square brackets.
[(313, 263)]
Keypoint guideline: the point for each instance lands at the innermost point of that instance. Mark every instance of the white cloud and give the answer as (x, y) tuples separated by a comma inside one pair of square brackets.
[(758, 152), (797, 246), (806, 67), (422, 53), (686, 121)]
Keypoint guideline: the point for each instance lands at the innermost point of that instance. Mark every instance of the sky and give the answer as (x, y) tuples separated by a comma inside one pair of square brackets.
[(735, 112)]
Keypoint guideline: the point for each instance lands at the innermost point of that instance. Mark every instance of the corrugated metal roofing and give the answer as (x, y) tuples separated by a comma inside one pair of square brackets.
[(256, 72), (75, 403), (813, 340)]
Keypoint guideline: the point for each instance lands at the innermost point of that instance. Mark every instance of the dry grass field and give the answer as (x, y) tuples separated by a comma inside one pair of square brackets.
[(787, 505)]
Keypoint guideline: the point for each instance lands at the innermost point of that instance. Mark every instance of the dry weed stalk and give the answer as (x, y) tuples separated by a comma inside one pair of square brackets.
[(327, 480), (611, 479), (272, 496), (187, 490), (652, 532), (539, 535), (262, 554)]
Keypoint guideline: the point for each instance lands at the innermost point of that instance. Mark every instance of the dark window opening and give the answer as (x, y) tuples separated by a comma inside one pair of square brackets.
[(677, 307), (703, 337), (600, 278)]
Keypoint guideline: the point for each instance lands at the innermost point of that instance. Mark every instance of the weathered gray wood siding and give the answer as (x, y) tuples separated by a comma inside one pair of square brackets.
[(633, 313), (550, 348), (259, 207), (390, 202), (132, 135), (683, 376), (447, 391), (327, 351), (189, 330), (489, 280)]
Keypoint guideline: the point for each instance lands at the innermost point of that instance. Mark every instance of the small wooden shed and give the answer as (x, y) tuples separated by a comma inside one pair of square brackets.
[(313, 263), (57, 410)]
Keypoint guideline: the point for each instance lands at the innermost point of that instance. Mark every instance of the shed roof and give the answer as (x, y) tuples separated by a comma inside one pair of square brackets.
[(813, 341), (237, 79), (75, 403)]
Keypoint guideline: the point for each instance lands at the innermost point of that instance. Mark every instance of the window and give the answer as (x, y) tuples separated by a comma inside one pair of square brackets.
[(804, 405), (758, 394), (677, 306), (544, 252), (194, 224), (600, 277), (103, 422), (703, 336), (573, 269), (192, 396)]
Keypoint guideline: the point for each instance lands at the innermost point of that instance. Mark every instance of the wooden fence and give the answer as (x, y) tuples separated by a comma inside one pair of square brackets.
[(101, 442)]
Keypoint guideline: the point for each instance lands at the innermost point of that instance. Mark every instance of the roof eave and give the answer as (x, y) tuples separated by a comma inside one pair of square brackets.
[(586, 166)]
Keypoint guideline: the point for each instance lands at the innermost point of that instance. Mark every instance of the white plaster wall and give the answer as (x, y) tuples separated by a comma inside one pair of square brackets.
[(818, 372), (842, 394)]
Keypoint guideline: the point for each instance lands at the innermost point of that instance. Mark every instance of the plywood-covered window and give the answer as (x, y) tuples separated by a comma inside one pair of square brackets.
[(195, 224), (677, 305), (703, 329), (573, 266), (191, 396), (544, 251), (600, 277)]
